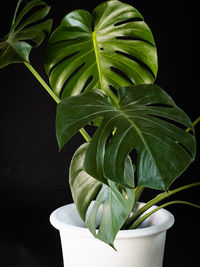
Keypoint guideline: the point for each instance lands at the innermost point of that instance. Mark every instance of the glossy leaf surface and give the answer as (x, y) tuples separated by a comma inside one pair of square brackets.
[(146, 120), (28, 30), (116, 204), (112, 47)]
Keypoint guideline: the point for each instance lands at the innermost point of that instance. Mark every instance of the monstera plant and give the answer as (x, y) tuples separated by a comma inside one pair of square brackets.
[(101, 69)]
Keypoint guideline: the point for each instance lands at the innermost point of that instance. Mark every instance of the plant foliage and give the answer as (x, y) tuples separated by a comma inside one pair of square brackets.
[(25, 32), (103, 66), (145, 120), (115, 203), (109, 48)]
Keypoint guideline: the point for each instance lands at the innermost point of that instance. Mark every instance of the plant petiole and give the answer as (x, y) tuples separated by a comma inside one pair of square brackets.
[(194, 123), (155, 200), (145, 216), (42, 82), (53, 95)]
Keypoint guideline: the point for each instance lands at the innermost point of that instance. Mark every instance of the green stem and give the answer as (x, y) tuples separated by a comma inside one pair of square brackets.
[(141, 219), (157, 199), (53, 95), (194, 123), (138, 192), (85, 135), (42, 82)]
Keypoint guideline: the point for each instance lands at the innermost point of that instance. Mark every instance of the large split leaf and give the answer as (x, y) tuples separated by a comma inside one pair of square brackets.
[(116, 204), (112, 47), (15, 47), (146, 120)]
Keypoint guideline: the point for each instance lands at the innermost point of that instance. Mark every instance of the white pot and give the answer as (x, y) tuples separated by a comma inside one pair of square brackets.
[(143, 247)]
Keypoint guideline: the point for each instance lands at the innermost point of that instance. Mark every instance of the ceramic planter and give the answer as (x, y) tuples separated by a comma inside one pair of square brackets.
[(143, 247)]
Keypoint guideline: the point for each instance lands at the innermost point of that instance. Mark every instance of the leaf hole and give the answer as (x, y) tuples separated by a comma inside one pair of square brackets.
[(112, 132), (108, 139), (133, 156), (185, 148), (31, 43), (59, 42), (141, 63), (87, 83), (173, 122), (122, 74), (101, 48), (113, 89), (127, 21), (132, 39), (70, 77), (32, 11), (26, 16), (62, 60)]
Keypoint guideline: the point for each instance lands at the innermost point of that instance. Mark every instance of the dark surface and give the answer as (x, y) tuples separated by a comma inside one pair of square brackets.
[(34, 175)]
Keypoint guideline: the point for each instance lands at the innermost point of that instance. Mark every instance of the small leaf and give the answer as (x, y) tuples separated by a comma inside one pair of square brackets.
[(146, 119), (114, 210), (116, 203), (15, 46)]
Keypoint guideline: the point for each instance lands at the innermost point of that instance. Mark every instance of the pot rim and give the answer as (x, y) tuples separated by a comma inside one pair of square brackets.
[(58, 222)]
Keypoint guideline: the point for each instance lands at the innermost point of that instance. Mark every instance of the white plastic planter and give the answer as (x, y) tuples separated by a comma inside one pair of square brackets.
[(142, 247)]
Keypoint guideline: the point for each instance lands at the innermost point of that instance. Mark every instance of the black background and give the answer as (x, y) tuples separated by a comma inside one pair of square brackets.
[(34, 175)]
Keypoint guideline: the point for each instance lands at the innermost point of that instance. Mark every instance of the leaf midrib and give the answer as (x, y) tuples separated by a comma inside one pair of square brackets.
[(97, 58), (106, 90)]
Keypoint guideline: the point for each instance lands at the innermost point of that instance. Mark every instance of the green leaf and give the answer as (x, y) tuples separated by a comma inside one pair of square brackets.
[(114, 209), (84, 188), (15, 47), (112, 47), (146, 120), (116, 203)]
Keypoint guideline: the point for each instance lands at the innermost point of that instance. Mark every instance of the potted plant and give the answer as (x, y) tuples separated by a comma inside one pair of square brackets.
[(101, 68)]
